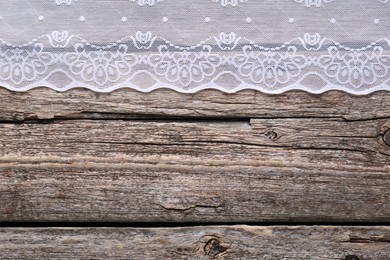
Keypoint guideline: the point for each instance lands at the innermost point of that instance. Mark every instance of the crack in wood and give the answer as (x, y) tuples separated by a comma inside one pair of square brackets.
[(105, 116), (110, 116), (190, 208), (365, 240), (352, 257)]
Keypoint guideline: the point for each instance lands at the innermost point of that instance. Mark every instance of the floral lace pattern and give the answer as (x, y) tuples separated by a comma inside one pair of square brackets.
[(66, 2), (230, 2), (188, 69), (307, 3), (188, 46), (318, 3), (146, 2)]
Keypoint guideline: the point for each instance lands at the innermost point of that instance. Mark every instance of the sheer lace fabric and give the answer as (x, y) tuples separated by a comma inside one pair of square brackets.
[(186, 45)]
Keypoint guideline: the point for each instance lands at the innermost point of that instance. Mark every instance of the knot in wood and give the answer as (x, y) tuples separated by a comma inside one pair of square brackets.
[(271, 135), (213, 248), (352, 257), (386, 137)]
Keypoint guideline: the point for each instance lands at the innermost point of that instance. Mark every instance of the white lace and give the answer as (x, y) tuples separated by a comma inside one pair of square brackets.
[(220, 44)]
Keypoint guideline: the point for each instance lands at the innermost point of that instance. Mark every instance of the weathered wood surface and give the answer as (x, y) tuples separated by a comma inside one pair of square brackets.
[(213, 242), (208, 157), (80, 103)]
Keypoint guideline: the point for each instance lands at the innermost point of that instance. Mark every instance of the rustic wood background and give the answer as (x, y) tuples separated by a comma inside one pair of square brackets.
[(128, 175)]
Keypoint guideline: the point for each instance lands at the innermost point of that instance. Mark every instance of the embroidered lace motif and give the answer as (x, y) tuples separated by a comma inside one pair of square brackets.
[(230, 45)]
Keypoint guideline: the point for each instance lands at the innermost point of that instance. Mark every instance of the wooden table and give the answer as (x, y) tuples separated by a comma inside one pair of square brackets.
[(210, 175)]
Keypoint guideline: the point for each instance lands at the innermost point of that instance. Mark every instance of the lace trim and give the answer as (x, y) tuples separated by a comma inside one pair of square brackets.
[(307, 3), (226, 62), (153, 2), (319, 3)]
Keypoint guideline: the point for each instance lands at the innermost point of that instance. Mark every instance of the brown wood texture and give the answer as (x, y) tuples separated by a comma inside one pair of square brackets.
[(80, 103), (207, 157), (211, 242)]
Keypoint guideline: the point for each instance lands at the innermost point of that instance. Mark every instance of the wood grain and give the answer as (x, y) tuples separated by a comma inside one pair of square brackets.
[(44, 103), (211, 242), (207, 157), (289, 170), (212, 157)]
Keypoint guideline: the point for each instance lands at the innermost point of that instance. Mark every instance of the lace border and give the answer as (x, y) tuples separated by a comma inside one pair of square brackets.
[(226, 62), (307, 3)]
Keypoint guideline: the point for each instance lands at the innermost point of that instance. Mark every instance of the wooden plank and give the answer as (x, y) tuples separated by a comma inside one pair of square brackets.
[(213, 242), (290, 170), (125, 103)]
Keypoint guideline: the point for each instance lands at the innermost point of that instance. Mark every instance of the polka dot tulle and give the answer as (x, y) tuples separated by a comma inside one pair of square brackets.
[(187, 46)]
